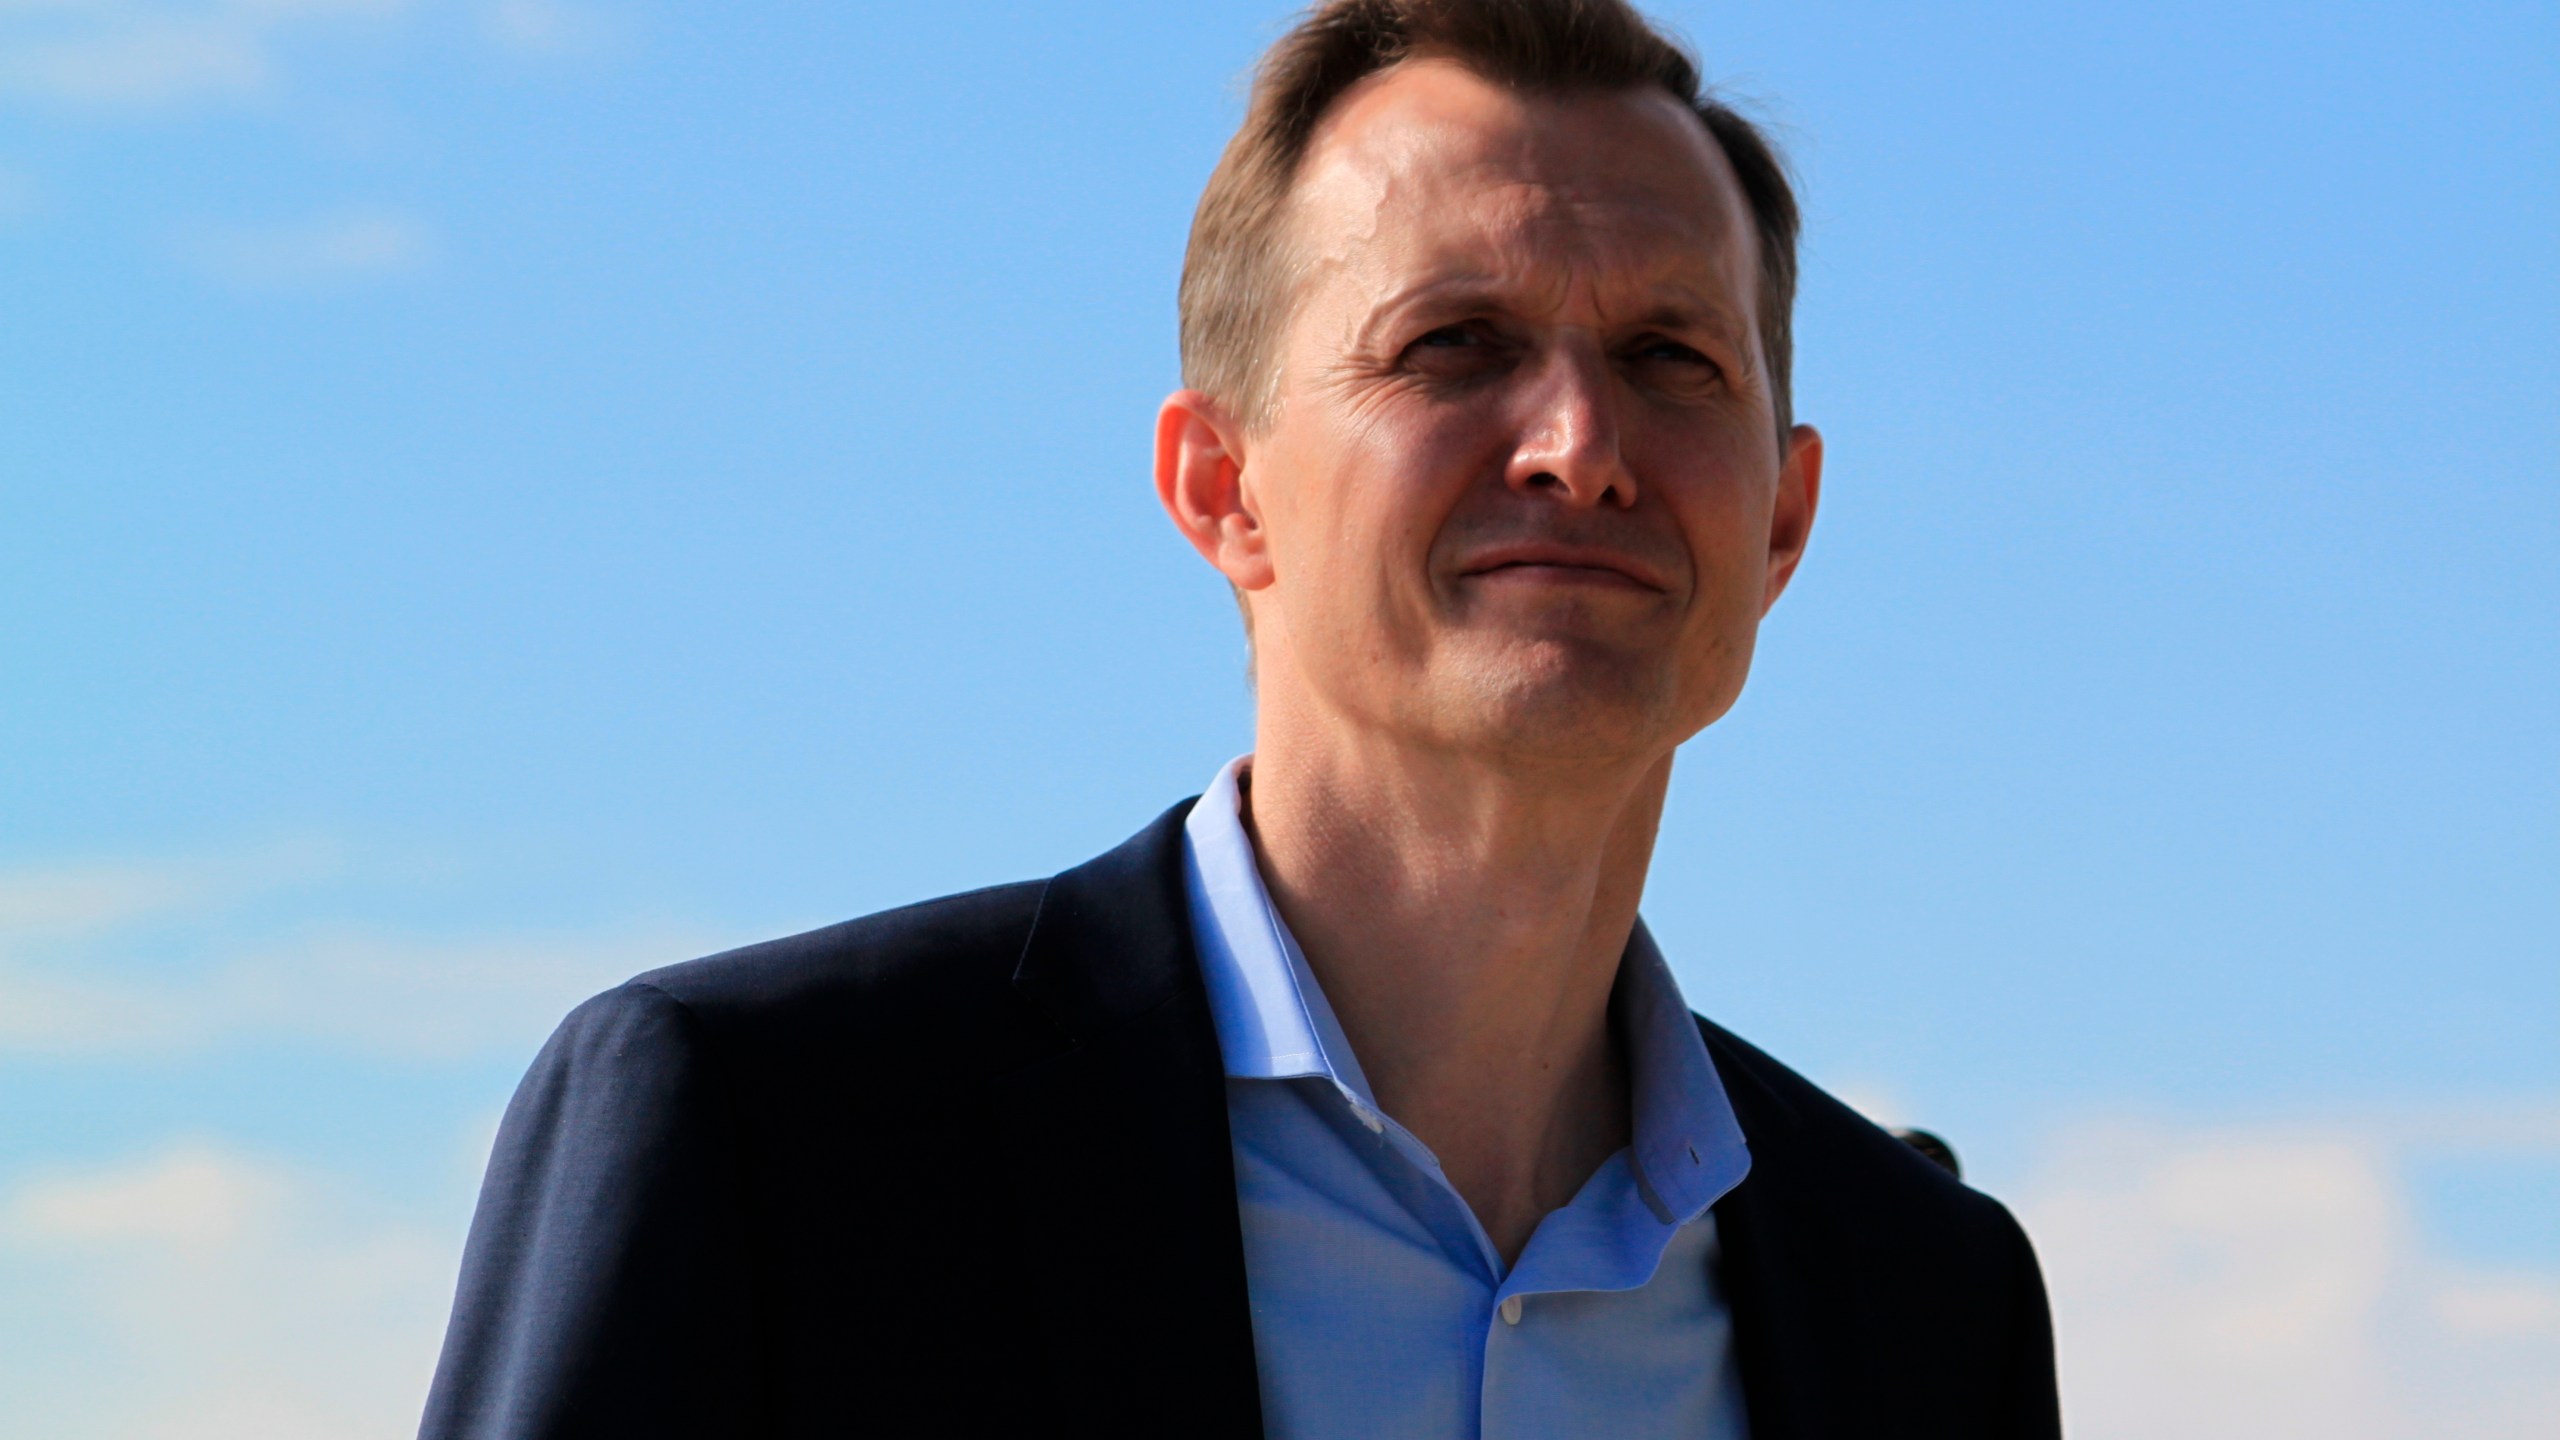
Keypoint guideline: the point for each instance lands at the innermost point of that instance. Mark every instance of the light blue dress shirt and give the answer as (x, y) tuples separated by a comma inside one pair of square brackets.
[(1381, 1309)]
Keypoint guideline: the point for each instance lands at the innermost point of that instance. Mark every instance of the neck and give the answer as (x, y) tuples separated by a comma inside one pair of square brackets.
[(1466, 920)]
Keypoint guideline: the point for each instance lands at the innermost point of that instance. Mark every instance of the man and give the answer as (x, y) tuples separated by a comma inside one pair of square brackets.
[(1353, 1099)]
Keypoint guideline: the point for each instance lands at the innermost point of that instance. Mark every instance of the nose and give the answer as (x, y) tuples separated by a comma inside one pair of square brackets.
[(1569, 439)]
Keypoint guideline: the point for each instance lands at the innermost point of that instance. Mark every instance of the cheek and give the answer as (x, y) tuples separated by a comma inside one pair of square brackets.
[(1733, 525), (1723, 511), (1387, 490), (1341, 543)]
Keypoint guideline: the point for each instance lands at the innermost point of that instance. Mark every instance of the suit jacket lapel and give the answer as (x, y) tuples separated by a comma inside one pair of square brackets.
[(1118, 1147), (1771, 1276)]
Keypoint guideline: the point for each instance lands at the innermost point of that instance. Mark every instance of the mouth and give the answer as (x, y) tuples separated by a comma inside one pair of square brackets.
[(1564, 565)]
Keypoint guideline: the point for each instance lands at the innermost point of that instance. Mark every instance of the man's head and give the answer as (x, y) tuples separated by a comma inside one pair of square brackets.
[(1242, 266), (1485, 324)]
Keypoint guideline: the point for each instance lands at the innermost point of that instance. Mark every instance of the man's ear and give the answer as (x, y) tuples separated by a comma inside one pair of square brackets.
[(1791, 516), (1200, 480)]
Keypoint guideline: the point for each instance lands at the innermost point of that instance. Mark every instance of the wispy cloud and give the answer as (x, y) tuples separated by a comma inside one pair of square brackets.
[(545, 27), (368, 991), (327, 251), (190, 1198), (216, 1293), (2210, 1283), (2271, 1281), (122, 959), (40, 903), (131, 56), (146, 66)]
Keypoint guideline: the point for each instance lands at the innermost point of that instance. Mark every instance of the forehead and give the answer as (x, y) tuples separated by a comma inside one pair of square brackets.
[(1428, 171)]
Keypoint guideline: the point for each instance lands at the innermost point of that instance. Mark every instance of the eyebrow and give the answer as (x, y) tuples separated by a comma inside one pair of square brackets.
[(1691, 311), (1684, 309)]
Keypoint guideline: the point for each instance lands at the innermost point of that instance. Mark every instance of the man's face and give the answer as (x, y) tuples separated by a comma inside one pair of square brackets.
[(1521, 488)]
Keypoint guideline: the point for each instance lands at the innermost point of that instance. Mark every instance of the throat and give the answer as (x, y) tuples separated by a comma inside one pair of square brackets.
[(1517, 1153)]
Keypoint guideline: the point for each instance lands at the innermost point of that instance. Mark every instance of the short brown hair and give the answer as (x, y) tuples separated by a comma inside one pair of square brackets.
[(1235, 276)]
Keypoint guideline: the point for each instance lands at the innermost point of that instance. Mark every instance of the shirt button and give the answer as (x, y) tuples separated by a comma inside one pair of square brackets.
[(1511, 1311), (1376, 1125)]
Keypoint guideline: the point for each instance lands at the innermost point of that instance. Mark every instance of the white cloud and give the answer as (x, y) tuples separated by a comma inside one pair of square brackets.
[(2270, 1282), (376, 993), (165, 61), (2497, 1307), (131, 959), (158, 57), (125, 55), (325, 251), (157, 62), (544, 27), (2209, 1284), (1879, 1103), (192, 1198), (214, 1294), (41, 902), (2522, 1128)]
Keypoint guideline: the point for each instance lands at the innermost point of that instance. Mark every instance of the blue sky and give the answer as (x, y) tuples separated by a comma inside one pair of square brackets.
[(495, 497)]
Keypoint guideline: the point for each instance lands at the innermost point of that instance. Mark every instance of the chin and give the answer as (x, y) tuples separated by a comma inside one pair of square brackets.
[(1567, 700)]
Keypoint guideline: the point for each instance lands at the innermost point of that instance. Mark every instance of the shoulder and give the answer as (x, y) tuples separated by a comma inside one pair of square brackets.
[(902, 991), (1832, 1164), (1887, 1296), (910, 951), (908, 1007), (1920, 1294)]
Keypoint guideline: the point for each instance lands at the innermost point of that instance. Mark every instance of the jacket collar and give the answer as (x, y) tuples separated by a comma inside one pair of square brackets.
[(1117, 1146), (1112, 938), (1773, 1279), (1125, 1185)]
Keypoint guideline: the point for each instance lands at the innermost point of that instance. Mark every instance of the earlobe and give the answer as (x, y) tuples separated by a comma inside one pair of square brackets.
[(1201, 482), (1791, 514)]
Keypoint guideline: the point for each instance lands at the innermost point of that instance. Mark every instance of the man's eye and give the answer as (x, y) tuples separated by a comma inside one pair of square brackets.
[(1671, 350), (1454, 352)]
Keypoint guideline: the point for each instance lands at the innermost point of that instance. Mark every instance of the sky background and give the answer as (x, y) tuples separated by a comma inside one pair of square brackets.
[(495, 497)]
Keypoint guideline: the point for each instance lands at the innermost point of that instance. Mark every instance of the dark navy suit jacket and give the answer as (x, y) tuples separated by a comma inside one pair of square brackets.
[(962, 1169)]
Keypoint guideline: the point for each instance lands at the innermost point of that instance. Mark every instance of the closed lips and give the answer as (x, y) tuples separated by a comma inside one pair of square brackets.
[(1565, 562)]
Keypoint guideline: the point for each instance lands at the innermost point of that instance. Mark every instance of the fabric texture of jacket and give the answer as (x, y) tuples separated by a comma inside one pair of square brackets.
[(962, 1168)]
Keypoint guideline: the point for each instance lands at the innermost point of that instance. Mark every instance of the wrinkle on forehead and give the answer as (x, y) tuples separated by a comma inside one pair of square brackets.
[(1581, 203), (1562, 252)]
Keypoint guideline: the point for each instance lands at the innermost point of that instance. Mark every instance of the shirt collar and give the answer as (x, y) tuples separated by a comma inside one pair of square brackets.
[(1272, 1018), (1273, 1022)]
